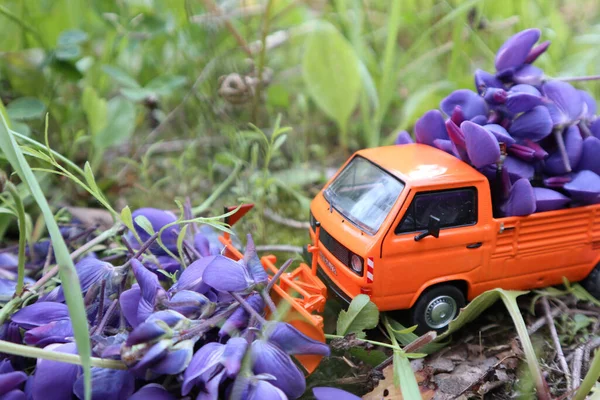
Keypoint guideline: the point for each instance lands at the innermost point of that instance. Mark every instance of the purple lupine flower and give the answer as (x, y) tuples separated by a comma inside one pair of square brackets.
[(158, 219), (11, 382), (458, 139), (151, 290), (548, 199), (482, 145), (252, 262), (191, 304), (495, 96), (163, 263), (537, 51), (264, 390), (152, 391), (470, 102), (9, 262), (268, 358), (535, 124), (403, 137), (521, 200), (458, 117), (557, 182), (191, 277), (528, 75), (92, 271), (500, 133), (292, 341), (430, 127), (485, 80), (589, 155), (566, 104), (444, 145), (39, 314), (129, 302), (574, 146), (240, 317), (585, 187), (60, 331), (107, 384), (518, 169), (326, 393), (238, 278), (479, 120), (590, 106), (517, 102), (515, 51), (53, 380)]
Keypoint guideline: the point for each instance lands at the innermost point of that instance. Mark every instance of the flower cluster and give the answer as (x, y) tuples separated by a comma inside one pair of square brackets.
[(534, 138), (183, 320)]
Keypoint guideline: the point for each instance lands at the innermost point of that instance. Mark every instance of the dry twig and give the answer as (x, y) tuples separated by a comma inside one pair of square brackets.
[(559, 352)]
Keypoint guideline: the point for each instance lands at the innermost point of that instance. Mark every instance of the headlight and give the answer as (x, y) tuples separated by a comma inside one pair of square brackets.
[(356, 264)]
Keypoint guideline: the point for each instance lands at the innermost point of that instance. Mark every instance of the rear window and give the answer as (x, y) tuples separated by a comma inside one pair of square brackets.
[(454, 208)]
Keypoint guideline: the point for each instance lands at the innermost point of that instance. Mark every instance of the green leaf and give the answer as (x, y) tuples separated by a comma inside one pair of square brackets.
[(25, 108), (67, 272), (332, 74), (145, 224), (121, 76), (89, 177), (404, 377), (72, 37), (136, 94), (279, 142), (362, 314), (120, 126), (581, 322), (4, 210), (126, 218), (164, 85), (95, 109), (68, 53)]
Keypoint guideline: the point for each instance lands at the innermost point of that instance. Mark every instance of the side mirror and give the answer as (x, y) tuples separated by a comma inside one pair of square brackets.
[(433, 229)]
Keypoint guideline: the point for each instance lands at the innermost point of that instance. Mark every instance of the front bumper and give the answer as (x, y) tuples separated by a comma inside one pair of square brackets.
[(332, 288)]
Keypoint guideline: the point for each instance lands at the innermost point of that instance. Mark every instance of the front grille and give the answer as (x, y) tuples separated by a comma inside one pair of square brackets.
[(335, 247)]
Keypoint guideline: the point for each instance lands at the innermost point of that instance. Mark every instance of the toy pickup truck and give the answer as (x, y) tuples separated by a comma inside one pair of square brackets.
[(413, 227)]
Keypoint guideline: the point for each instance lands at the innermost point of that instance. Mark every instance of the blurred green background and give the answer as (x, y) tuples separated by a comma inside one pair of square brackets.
[(168, 98)]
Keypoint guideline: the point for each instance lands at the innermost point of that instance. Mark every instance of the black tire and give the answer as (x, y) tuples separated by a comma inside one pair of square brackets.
[(592, 282), (441, 303)]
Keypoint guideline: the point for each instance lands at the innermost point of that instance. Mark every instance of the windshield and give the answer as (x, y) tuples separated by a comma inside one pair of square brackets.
[(364, 194)]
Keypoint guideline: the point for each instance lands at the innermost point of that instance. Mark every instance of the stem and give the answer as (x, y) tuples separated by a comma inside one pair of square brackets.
[(142, 249), (216, 193), (34, 352), (389, 346), (261, 58), (265, 295), (100, 328), (276, 277), (22, 235), (562, 148), (248, 308), (209, 323), (590, 378), (578, 78)]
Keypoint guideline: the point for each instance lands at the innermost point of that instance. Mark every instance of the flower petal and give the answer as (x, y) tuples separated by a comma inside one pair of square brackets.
[(150, 287), (518, 102), (53, 379), (191, 304), (518, 169), (485, 80), (156, 353), (225, 275), (495, 96), (15, 394), (191, 277), (585, 187), (567, 102), (59, 331), (204, 360), (528, 75), (535, 124), (177, 359), (537, 51), (90, 271), (152, 391), (292, 341), (430, 127), (590, 159), (557, 181), (235, 349), (521, 200), (523, 88), (514, 52), (40, 313), (11, 380), (470, 102), (9, 261), (574, 145), (403, 137), (270, 359), (145, 332), (263, 390), (521, 151), (548, 199), (107, 384), (590, 106), (158, 219), (444, 145), (252, 262), (170, 317), (129, 302), (482, 146), (239, 319), (500, 133), (326, 393)]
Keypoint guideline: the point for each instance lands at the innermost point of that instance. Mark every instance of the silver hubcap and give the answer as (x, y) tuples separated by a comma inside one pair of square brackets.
[(440, 311)]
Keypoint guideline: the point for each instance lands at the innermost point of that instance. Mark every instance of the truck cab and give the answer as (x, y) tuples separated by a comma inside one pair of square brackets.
[(413, 227)]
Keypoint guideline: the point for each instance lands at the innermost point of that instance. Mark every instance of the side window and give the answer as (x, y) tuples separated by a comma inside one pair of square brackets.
[(456, 207)]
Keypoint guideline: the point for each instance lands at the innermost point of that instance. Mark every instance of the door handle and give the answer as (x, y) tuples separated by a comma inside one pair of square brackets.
[(474, 245)]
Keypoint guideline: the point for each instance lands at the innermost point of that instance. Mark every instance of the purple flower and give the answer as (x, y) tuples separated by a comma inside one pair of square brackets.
[(152, 391), (515, 51), (517, 102), (252, 262), (129, 302), (9, 261), (521, 199), (566, 104), (535, 124), (11, 381), (589, 104), (585, 187), (518, 169), (485, 80), (529, 75), (470, 102), (589, 155), (107, 384), (158, 219), (430, 127), (482, 146), (39, 314), (326, 393), (261, 389), (151, 290), (444, 145), (53, 380), (268, 358), (495, 96), (240, 317), (548, 199), (403, 138), (191, 277), (292, 341), (574, 145), (190, 304), (60, 331), (537, 51), (92, 271), (238, 279), (164, 263), (458, 139), (500, 133)]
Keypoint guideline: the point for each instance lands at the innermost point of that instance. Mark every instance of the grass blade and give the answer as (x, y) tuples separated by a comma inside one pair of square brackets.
[(68, 275)]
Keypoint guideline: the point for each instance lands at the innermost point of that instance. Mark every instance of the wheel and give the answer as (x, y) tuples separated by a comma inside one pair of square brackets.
[(436, 307), (592, 282)]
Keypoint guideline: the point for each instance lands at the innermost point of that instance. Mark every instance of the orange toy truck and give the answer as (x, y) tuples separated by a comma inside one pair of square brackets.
[(413, 227)]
